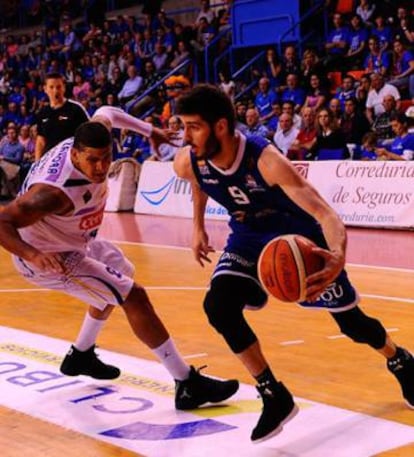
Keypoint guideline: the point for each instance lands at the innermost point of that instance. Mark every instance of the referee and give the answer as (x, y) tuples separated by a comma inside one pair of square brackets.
[(60, 118)]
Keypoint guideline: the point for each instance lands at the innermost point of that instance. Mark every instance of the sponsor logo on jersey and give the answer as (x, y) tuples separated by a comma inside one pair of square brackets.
[(202, 167), (210, 181), (252, 185), (90, 221)]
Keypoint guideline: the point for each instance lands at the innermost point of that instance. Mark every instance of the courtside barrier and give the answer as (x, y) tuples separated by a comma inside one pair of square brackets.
[(364, 194)]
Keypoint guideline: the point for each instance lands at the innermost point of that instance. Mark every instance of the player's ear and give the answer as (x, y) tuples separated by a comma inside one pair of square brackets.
[(74, 154), (221, 127)]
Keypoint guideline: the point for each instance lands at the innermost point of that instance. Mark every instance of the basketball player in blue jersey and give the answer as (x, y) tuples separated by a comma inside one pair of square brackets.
[(50, 228), (266, 197)]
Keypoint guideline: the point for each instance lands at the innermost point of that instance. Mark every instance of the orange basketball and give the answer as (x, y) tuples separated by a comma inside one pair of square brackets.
[(284, 264)]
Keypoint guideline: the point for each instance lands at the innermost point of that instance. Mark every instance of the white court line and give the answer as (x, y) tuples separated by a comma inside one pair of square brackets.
[(383, 297), (335, 337), (378, 297), (183, 248), (194, 356), (291, 343)]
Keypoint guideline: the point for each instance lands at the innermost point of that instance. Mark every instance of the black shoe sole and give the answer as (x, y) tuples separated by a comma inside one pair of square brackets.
[(107, 378), (279, 428)]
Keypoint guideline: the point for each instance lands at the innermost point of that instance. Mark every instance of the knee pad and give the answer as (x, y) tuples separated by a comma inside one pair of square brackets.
[(361, 328), (224, 304)]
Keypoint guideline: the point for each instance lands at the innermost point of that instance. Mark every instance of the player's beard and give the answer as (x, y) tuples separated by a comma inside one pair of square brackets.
[(211, 148)]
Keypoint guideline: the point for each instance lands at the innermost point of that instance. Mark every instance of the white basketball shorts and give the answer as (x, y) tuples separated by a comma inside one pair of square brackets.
[(101, 276)]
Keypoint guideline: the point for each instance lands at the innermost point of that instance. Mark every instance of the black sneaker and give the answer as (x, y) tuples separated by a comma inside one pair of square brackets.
[(87, 363), (278, 409), (402, 367), (198, 389)]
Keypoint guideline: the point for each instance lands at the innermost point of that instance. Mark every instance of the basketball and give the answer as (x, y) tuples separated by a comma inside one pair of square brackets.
[(284, 264)]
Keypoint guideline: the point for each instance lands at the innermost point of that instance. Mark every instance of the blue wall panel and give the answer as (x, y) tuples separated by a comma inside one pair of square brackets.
[(261, 22)]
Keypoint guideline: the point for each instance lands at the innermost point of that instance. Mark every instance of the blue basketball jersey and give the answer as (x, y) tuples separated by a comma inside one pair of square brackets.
[(258, 213), (242, 189)]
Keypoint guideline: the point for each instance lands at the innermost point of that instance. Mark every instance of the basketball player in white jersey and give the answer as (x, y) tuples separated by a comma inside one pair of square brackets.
[(50, 229)]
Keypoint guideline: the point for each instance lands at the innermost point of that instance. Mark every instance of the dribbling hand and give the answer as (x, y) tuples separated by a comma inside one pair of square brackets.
[(201, 248)]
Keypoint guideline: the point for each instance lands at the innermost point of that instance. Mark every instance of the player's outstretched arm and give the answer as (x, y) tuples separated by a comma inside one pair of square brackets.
[(114, 117), (39, 201)]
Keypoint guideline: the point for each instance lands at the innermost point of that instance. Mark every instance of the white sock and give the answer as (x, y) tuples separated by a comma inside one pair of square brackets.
[(172, 360), (121, 120), (88, 332)]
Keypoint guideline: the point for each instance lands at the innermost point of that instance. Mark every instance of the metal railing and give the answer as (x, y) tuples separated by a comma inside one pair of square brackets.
[(158, 84)]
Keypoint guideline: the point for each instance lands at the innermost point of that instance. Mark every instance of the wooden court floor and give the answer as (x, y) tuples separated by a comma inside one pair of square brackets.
[(302, 346)]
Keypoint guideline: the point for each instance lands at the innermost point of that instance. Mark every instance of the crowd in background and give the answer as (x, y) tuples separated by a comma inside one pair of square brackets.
[(342, 101)]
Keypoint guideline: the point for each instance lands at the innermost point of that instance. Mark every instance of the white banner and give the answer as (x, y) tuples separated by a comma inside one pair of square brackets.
[(364, 194), (161, 192)]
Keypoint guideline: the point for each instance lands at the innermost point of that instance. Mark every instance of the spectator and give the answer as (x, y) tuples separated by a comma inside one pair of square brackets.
[(273, 122), (289, 108), (353, 124), (377, 60), (293, 92), (160, 58), (365, 11), (306, 139), (335, 107), (81, 88), (254, 126), (369, 145), (356, 43), (203, 36), (317, 96), (180, 55), (311, 65), (143, 103), (166, 152), (27, 139), (205, 13), (131, 86), (379, 89), (286, 134), (241, 109), (382, 124), (290, 62), (382, 32), (11, 156), (336, 44), (227, 85), (264, 100), (407, 30), (132, 146), (403, 29), (272, 68), (329, 138), (362, 90), (346, 91), (116, 81), (402, 146), (71, 43), (402, 69)]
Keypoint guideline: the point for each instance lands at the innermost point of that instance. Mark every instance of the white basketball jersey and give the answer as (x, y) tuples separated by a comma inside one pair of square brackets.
[(73, 231)]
